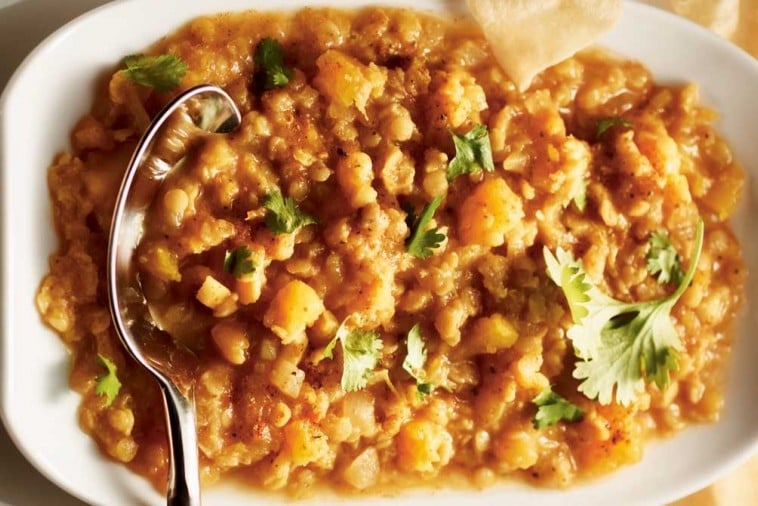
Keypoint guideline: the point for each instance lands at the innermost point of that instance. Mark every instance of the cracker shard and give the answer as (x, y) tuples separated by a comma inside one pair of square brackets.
[(527, 37)]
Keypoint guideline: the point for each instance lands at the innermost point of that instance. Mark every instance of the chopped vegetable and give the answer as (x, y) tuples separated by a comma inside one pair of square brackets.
[(663, 260), (239, 262), (360, 355), (416, 358), (580, 195), (620, 345), (473, 153), (283, 216), (269, 64), (606, 124), (108, 384), (163, 73), (421, 242), (552, 408)]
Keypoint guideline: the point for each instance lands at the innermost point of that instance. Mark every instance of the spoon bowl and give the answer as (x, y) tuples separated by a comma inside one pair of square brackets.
[(210, 109)]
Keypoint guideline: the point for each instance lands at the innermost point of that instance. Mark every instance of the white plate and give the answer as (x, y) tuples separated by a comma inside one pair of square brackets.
[(53, 88)]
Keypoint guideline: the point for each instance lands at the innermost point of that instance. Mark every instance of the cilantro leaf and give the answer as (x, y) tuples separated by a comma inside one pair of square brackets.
[(620, 345), (663, 260), (606, 124), (269, 64), (163, 72), (239, 262), (360, 355), (473, 153), (421, 242), (552, 408), (283, 216), (416, 358), (108, 384), (425, 388)]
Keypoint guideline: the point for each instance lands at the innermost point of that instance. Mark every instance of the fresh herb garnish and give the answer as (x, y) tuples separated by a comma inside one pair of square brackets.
[(606, 124), (421, 242), (552, 408), (108, 384), (239, 262), (415, 359), (269, 64), (283, 216), (360, 355), (163, 73), (473, 153), (621, 345), (663, 260)]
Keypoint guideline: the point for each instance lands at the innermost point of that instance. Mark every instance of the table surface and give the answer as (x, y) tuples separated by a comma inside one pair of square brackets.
[(23, 24)]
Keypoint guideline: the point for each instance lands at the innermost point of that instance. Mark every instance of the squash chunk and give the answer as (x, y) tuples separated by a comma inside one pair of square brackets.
[(294, 307), (489, 214)]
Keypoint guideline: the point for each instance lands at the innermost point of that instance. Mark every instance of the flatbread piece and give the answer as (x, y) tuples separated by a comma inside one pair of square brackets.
[(528, 36)]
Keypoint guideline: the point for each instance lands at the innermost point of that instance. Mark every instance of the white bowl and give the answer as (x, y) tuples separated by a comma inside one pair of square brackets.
[(53, 88)]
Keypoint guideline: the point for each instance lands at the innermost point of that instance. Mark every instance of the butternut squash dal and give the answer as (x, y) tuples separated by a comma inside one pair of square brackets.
[(401, 270)]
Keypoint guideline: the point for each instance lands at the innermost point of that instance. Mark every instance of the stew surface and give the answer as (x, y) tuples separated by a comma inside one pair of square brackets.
[(306, 225)]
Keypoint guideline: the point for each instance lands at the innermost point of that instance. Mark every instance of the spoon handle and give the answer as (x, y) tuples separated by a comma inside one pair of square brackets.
[(183, 488)]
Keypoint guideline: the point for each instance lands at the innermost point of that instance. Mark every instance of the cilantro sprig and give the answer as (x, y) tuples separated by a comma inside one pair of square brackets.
[(552, 408), (415, 360), (663, 260), (620, 345), (163, 72), (239, 262), (108, 384), (283, 216), (360, 355), (607, 123), (422, 240), (473, 153), (269, 64)]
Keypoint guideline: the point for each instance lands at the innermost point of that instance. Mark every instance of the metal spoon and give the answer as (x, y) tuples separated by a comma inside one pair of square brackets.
[(150, 346)]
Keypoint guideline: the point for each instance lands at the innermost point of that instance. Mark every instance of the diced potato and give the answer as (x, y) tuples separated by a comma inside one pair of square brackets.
[(307, 444), (216, 296), (212, 293), (363, 471), (489, 213), (231, 339), (346, 81), (491, 334), (287, 377), (294, 307), (423, 446), (227, 308)]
